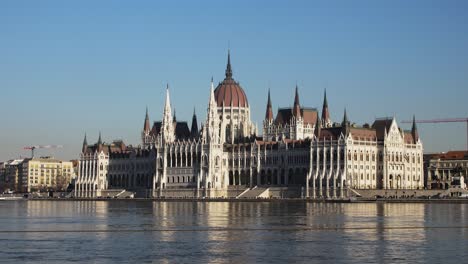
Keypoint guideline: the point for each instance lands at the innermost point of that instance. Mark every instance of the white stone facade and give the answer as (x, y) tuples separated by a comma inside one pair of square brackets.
[(226, 158)]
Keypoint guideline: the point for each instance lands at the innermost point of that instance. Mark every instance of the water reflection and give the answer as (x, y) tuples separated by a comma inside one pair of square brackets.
[(222, 232)]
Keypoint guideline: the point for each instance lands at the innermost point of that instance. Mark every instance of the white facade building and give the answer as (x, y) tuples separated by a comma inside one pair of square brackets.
[(299, 154)]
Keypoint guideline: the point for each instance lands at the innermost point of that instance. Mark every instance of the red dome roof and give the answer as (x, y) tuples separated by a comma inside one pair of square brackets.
[(229, 91)]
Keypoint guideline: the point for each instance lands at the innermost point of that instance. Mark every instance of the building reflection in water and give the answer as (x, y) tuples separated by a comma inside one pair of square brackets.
[(384, 231), (235, 232), (65, 215), (60, 223), (183, 223)]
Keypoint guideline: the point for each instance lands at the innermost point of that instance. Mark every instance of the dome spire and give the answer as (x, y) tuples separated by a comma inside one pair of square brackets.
[(228, 67)]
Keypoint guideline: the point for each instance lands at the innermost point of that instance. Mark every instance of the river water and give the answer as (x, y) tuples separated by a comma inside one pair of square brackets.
[(231, 232)]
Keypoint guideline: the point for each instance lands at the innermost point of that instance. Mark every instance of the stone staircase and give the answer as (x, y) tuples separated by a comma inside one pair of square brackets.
[(255, 192), (125, 194), (353, 193), (117, 193)]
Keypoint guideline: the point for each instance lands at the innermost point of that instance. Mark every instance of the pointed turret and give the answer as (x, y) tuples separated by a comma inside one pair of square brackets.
[(345, 123), (99, 139), (318, 127), (326, 122), (211, 133), (99, 143), (212, 95), (414, 131), (146, 126), (297, 106), (345, 119), (174, 119), (269, 110), (228, 67), (167, 122), (194, 131), (85, 144)]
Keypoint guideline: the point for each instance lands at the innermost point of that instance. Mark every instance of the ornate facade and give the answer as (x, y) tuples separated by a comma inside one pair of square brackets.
[(446, 170), (299, 154)]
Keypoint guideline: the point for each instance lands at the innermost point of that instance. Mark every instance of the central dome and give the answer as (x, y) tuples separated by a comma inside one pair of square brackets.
[(229, 92)]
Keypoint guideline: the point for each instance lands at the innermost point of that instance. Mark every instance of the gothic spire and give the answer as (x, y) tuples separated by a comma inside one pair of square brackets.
[(318, 127), (211, 131), (167, 104), (85, 144), (228, 67), (146, 126), (325, 102), (345, 119), (345, 123), (414, 131), (297, 107), (167, 122), (174, 118), (325, 113), (99, 140), (194, 130), (269, 110), (212, 96)]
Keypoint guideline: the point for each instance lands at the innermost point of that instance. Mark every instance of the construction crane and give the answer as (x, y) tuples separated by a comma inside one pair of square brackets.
[(32, 148), (445, 120)]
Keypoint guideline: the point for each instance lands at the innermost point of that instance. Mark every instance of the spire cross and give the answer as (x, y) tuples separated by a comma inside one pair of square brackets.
[(228, 67)]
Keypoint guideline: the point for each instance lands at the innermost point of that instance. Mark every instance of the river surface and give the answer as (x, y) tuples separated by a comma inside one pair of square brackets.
[(231, 232)]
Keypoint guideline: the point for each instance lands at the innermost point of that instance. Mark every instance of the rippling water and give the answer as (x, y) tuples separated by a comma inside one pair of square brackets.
[(231, 232)]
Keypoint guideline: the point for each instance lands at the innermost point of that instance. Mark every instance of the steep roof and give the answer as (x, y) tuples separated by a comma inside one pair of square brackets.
[(330, 132), (408, 137), (181, 129), (285, 115), (380, 126), (156, 128)]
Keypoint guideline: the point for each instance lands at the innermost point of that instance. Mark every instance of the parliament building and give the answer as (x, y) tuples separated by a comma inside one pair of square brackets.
[(301, 154)]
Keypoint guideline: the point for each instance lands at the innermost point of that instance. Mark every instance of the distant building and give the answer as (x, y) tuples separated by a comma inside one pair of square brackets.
[(446, 170), (10, 175), (45, 173), (299, 154)]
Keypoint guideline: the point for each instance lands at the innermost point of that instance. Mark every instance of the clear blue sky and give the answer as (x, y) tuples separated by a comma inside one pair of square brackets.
[(70, 67)]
